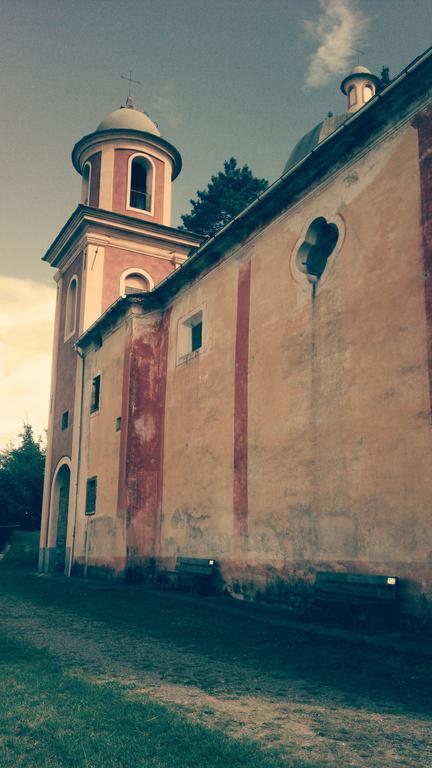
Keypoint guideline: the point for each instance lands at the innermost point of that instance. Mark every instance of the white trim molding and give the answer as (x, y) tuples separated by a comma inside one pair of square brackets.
[(152, 184), (135, 271)]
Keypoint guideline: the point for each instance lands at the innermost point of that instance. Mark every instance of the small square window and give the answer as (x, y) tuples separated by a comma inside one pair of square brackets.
[(190, 336), (95, 394), (90, 507), (65, 420)]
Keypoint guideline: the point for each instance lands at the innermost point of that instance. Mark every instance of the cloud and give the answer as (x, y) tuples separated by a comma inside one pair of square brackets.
[(337, 31), (26, 327)]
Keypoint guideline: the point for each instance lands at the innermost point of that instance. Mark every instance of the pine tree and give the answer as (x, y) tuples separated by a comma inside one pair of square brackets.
[(227, 194)]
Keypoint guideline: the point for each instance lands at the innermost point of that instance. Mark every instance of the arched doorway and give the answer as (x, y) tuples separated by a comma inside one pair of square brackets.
[(59, 517)]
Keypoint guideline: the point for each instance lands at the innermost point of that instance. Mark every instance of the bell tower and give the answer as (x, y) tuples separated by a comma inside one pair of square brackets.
[(118, 240)]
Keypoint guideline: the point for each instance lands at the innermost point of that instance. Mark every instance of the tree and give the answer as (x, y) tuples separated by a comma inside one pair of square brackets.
[(21, 482), (226, 195), (384, 78)]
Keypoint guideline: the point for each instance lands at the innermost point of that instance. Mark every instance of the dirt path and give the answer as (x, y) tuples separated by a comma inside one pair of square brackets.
[(330, 725)]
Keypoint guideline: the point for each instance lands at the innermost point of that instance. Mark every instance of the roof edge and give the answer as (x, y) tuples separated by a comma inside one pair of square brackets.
[(101, 137)]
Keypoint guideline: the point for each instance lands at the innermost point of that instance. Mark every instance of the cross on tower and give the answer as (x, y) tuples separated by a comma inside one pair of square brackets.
[(129, 78)]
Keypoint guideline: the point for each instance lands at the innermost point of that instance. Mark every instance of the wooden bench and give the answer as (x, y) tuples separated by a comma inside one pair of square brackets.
[(193, 572), (358, 596)]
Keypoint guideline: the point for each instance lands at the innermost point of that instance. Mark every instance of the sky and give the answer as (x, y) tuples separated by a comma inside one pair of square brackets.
[(222, 78)]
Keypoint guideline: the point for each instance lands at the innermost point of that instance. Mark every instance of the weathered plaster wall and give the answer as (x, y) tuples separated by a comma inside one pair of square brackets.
[(198, 453), (141, 451), (335, 434), (341, 474), (100, 539)]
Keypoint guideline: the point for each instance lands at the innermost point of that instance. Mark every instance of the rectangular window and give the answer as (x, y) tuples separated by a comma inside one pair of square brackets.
[(65, 420), (118, 423), (190, 336), (95, 394), (90, 507)]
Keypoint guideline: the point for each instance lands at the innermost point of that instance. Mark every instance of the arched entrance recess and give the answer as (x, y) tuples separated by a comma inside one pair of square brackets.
[(59, 516)]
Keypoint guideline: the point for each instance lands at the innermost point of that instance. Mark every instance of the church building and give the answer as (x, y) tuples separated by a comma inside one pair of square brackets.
[(262, 398)]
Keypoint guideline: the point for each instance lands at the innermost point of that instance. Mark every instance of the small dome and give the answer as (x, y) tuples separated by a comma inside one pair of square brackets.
[(310, 140), (128, 119), (359, 69)]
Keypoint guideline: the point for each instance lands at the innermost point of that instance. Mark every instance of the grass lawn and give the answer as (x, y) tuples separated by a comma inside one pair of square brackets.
[(50, 716)]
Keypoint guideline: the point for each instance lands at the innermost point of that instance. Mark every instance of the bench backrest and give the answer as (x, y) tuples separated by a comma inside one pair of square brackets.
[(202, 566), (371, 586)]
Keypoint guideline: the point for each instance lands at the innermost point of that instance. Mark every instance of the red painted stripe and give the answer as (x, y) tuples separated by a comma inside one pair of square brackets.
[(163, 367), (423, 123), (143, 452), (240, 489)]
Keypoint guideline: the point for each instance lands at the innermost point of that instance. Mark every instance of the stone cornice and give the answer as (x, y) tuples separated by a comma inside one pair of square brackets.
[(109, 223), (94, 140)]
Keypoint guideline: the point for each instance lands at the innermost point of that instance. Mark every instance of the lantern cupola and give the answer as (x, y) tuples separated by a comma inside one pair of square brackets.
[(359, 87)]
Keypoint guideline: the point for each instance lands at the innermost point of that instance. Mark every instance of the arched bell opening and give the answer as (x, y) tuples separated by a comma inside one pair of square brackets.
[(135, 280), (85, 189), (141, 183), (135, 283)]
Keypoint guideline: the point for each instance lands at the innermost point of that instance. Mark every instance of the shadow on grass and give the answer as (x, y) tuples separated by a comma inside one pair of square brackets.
[(51, 717), (394, 682)]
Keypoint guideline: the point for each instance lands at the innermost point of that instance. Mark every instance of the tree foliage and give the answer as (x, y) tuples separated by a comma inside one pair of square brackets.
[(21, 482), (226, 195)]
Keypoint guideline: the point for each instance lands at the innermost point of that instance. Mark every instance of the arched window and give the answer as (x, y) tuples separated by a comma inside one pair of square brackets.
[(134, 283), (141, 174), (71, 308), (368, 93), (352, 96), (85, 195)]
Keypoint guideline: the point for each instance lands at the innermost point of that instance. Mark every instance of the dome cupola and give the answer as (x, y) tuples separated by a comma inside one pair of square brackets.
[(360, 87), (128, 118), (309, 141)]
